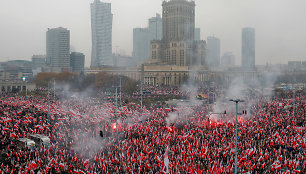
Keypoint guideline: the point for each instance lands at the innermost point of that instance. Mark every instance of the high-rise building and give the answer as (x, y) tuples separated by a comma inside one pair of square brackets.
[(38, 61), (178, 20), (178, 46), (77, 62), (213, 51), (142, 38), (228, 59), (58, 49), (123, 61), (248, 48), (101, 28), (197, 34), (155, 28), (141, 44)]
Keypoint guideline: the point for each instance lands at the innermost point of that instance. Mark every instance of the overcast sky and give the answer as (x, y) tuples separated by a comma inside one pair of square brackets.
[(280, 25)]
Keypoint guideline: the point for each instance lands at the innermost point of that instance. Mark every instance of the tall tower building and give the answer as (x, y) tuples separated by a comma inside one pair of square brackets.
[(141, 44), (213, 51), (38, 61), (248, 48), (155, 28), (142, 38), (228, 59), (178, 46), (58, 49), (197, 34), (77, 62), (101, 28), (178, 20)]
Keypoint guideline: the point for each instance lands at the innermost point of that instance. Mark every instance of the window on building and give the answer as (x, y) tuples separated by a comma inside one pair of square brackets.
[(182, 56), (153, 54)]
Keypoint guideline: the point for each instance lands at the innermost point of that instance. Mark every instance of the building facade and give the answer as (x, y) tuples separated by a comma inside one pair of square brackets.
[(178, 20), (197, 34), (38, 61), (141, 44), (58, 49), (227, 60), (77, 62), (171, 75), (213, 51), (142, 38), (101, 28), (155, 28), (17, 85), (296, 65), (16, 69), (248, 48), (178, 46), (123, 61)]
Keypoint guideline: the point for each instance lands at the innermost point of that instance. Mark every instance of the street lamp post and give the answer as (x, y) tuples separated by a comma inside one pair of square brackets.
[(48, 99), (116, 98), (26, 83), (54, 89), (236, 136), (141, 86), (120, 91)]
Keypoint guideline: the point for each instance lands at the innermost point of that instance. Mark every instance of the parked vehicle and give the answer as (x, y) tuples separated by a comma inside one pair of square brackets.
[(40, 140), (25, 142)]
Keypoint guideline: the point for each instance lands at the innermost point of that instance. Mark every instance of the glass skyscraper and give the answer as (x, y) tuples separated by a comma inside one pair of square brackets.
[(248, 48), (101, 26)]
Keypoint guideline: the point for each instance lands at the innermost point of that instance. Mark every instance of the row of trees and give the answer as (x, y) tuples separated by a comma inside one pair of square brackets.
[(43, 78), (100, 81)]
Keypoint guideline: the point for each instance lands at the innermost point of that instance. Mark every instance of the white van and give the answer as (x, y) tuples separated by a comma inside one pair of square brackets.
[(25, 142), (40, 140)]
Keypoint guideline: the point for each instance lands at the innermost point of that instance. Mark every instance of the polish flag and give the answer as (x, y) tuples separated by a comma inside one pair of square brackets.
[(62, 166), (251, 152), (12, 135), (86, 162), (276, 165), (297, 171), (33, 165), (168, 109)]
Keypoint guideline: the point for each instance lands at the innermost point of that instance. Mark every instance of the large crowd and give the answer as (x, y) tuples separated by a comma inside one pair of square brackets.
[(88, 136)]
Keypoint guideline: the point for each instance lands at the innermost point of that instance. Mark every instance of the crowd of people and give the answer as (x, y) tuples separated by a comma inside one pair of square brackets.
[(88, 136)]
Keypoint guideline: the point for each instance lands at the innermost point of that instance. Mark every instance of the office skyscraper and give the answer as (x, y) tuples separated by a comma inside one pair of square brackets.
[(58, 49), (141, 44), (38, 61), (142, 38), (197, 34), (178, 46), (178, 20), (248, 48), (228, 59), (155, 28), (101, 28), (77, 62), (213, 51)]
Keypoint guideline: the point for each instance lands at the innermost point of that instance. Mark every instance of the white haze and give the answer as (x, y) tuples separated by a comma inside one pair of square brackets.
[(186, 109), (245, 89), (280, 30)]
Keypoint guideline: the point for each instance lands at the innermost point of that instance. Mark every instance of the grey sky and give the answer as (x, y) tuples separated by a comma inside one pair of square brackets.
[(280, 25)]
